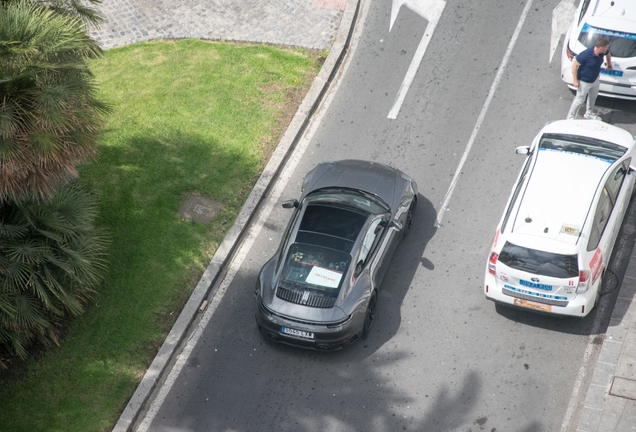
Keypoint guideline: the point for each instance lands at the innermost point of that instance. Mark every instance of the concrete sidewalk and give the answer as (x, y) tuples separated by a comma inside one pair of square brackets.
[(304, 23), (610, 404)]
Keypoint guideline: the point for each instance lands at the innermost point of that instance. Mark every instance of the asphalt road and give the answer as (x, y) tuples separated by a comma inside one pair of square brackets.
[(441, 357)]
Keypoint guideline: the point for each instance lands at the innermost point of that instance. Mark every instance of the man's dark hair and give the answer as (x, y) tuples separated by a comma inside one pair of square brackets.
[(601, 42)]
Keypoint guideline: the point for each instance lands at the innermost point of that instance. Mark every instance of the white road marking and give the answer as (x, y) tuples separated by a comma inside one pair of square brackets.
[(252, 234), (482, 114), (562, 17), (431, 11), (596, 325)]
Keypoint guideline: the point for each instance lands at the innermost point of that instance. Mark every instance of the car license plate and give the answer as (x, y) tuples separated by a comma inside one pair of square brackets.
[(297, 333), (612, 72), (533, 305), (535, 285)]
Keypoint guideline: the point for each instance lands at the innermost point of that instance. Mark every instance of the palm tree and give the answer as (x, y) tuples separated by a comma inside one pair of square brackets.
[(69, 7), (49, 114), (51, 255), (51, 260)]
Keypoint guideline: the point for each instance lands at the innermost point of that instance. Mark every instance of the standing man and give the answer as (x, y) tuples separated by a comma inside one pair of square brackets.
[(586, 68)]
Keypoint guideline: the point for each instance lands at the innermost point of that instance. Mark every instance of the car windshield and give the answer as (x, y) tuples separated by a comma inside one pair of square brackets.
[(621, 44), (539, 262), (582, 145), (315, 267), (356, 199)]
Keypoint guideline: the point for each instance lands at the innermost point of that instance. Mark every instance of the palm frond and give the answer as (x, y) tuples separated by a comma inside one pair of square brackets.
[(52, 259), (49, 114)]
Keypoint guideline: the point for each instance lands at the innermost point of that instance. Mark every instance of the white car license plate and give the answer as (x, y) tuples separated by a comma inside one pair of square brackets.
[(612, 72), (297, 333)]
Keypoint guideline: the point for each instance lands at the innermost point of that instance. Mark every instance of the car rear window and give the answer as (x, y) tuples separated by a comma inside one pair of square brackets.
[(315, 267), (621, 44), (539, 262)]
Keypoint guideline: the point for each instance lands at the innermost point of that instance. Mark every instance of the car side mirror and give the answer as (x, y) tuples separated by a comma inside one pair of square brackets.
[(358, 269), (290, 204), (523, 150), (620, 173), (631, 171), (380, 227), (395, 224)]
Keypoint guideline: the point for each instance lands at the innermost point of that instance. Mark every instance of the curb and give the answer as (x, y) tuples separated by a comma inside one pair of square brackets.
[(223, 255)]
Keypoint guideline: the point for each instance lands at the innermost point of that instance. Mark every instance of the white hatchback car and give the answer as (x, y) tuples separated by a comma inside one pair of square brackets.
[(557, 233), (614, 20)]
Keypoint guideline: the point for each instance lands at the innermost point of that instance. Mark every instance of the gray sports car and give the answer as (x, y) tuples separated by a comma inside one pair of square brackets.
[(321, 287)]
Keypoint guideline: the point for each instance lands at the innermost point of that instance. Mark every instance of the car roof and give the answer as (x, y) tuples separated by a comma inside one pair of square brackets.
[(592, 129), (619, 16), (558, 195), (332, 226)]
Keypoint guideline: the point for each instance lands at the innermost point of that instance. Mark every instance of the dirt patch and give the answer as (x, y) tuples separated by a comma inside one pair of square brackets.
[(287, 110), (16, 368), (166, 320)]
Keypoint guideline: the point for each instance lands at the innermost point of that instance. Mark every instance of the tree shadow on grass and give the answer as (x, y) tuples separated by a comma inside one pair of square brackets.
[(154, 257)]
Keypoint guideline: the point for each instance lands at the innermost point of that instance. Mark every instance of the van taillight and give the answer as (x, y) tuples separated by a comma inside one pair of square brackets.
[(492, 265), (584, 278)]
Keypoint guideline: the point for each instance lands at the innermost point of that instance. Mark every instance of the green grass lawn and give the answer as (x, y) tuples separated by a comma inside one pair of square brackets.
[(189, 116)]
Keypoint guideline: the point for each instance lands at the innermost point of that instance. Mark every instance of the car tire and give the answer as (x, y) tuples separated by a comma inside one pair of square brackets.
[(598, 291), (410, 216), (369, 315)]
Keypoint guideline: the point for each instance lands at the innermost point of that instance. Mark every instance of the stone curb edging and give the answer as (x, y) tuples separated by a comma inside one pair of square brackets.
[(232, 240)]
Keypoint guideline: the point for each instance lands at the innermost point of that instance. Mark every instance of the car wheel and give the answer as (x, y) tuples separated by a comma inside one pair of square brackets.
[(369, 316), (410, 216)]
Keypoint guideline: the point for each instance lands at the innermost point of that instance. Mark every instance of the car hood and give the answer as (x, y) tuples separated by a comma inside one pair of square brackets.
[(375, 178)]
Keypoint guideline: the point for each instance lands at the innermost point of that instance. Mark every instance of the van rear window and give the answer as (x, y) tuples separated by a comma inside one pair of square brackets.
[(539, 262)]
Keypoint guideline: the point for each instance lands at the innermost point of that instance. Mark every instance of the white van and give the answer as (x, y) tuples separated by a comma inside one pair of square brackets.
[(557, 233)]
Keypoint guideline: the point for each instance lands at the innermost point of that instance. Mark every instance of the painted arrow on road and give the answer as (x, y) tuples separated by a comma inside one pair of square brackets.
[(562, 16), (431, 11)]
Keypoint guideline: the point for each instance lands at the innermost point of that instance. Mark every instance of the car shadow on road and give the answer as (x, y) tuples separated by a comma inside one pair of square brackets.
[(617, 112), (235, 379), (408, 258), (619, 267)]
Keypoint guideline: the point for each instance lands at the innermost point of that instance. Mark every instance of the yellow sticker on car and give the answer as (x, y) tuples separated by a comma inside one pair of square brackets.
[(533, 305)]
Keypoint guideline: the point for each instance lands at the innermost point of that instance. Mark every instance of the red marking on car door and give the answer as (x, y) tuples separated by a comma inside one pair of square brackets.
[(596, 264)]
